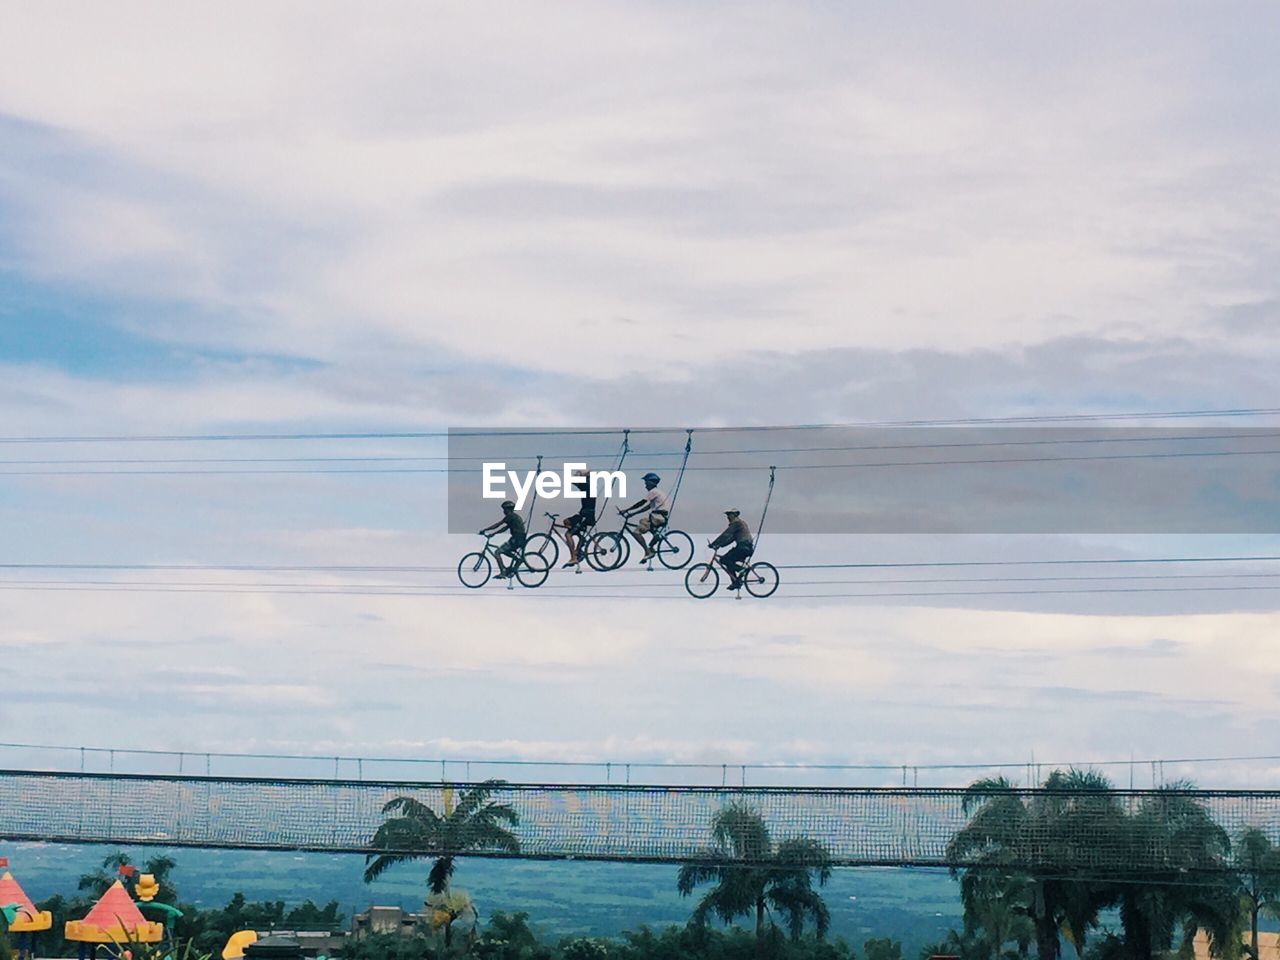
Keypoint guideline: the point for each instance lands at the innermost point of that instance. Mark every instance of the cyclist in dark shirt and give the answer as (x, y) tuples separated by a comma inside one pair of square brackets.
[(739, 535), (515, 543), (577, 525)]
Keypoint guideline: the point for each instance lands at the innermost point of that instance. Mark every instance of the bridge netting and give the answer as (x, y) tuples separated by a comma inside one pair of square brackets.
[(892, 826)]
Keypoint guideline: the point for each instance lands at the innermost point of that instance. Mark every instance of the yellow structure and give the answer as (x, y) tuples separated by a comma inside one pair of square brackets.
[(29, 919), (146, 888), (115, 918), (236, 943)]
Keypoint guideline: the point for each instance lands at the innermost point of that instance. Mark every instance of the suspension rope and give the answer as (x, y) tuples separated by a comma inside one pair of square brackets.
[(528, 523), (765, 512), (622, 456), (688, 448)]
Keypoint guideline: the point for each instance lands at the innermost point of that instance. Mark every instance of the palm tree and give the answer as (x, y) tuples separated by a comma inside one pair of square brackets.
[(1257, 863), (1185, 842), (1040, 857), (752, 874), (120, 866), (995, 914), (413, 831)]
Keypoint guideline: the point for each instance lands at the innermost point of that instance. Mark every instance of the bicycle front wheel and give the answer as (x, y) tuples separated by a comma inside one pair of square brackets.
[(676, 550), (546, 546), (532, 570), (702, 580), (761, 579), (474, 570)]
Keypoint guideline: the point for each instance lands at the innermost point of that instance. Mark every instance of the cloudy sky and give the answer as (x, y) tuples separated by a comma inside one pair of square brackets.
[(322, 218)]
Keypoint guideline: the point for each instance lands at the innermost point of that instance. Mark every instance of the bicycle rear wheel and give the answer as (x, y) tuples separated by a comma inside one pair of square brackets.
[(595, 551), (608, 551), (702, 580), (545, 545), (761, 579), (676, 550), (532, 570), (474, 570)]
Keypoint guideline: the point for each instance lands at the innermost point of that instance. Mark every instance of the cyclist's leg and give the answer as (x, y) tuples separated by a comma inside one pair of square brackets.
[(567, 531), (638, 532), (733, 562), (508, 549)]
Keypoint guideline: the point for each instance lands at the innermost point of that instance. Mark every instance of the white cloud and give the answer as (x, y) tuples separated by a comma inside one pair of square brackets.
[(417, 179)]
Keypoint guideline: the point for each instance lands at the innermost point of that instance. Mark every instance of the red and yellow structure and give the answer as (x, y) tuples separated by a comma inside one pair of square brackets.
[(114, 919), (27, 920)]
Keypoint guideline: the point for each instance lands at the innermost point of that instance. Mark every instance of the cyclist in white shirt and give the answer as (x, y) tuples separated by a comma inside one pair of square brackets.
[(655, 507)]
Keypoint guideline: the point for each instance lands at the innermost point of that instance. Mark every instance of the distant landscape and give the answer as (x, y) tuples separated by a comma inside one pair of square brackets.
[(587, 899)]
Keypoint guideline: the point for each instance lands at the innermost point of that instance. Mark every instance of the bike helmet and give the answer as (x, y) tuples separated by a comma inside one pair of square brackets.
[(651, 476), (508, 504), (733, 512)]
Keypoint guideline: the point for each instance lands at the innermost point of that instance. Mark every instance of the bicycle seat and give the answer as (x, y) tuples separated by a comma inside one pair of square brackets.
[(553, 516)]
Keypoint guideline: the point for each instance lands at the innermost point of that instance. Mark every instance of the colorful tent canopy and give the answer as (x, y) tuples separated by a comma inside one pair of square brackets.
[(29, 919), (115, 918)]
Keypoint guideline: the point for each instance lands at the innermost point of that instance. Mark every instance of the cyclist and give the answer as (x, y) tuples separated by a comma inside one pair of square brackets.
[(739, 535), (582, 521), (655, 507), (515, 543)]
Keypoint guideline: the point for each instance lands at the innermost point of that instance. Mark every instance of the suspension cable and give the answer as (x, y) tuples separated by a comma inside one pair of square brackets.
[(675, 493), (765, 512), (528, 523), (622, 456)]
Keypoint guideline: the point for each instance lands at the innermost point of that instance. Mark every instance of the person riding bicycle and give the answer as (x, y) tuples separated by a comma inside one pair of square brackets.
[(515, 543), (739, 535), (577, 525), (655, 507)]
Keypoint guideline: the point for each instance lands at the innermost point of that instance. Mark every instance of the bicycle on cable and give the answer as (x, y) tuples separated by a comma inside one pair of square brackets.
[(544, 544), (576, 530), (530, 569), (760, 578), (672, 548), (475, 569)]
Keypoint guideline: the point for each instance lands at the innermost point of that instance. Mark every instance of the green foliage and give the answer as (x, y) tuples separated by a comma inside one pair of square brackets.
[(389, 946), (766, 878), (161, 867), (882, 949), (1026, 883), (509, 937), (701, 943), (476, 823), (1257, 863), (134, 950), (584, 948)]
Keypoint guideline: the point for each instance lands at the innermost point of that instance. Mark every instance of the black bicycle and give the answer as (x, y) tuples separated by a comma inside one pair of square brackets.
[(609, 551), (475, 569), (547, 544), (758, 576)]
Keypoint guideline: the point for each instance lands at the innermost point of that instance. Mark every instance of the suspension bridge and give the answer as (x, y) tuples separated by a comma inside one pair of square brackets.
[(884, 826)]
